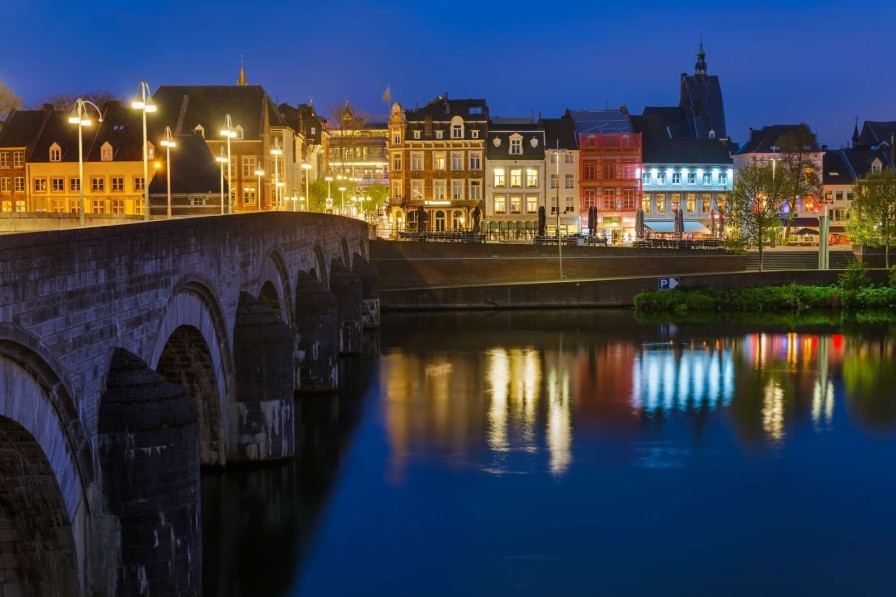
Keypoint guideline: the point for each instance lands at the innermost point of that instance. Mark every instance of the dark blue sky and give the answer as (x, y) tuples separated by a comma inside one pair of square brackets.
[(822, 62)]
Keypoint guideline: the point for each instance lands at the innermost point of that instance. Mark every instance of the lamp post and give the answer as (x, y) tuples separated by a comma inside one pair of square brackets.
[(168, 142), (258, 190), (229, 132), (276, 152), (221, 159), (342, 202), (557, 153), (81, 116), (143, 101), (307, 168), (329, 179)]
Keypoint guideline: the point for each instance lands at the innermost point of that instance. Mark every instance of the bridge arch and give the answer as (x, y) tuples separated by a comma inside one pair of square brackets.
[(192, 349), (45, 470), (274, 288), (319, 268), (346, 256)]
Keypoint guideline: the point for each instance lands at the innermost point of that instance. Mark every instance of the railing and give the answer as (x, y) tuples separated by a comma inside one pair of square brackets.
[(675, 243)]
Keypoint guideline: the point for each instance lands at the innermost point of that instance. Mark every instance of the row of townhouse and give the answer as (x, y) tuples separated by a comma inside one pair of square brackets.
[(267, 146)]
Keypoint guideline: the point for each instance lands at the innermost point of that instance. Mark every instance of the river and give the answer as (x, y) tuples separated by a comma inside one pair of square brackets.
[(579, 453)]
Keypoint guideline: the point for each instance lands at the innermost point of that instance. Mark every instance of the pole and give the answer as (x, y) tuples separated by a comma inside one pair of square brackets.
[(559, 241), (259, 193), (229, 179), (81, 173), (145, 162), (222, 188), (168, 173), (276, 181)]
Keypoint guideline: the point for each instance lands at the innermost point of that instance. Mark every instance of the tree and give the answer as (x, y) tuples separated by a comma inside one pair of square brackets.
[(65, 101), (754, 206), (8, 101), (346, 131), (799, 171), (872, 216)]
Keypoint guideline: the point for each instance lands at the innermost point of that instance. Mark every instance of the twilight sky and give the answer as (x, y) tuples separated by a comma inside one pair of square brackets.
[(822, 62)]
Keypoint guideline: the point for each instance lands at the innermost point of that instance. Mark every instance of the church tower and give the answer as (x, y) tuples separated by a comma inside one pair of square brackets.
[(701, 100), (700, 67), (242, 78)]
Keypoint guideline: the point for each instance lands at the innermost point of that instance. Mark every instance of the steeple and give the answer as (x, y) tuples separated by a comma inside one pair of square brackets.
[(855, 133), (242, 78), (700, 68)]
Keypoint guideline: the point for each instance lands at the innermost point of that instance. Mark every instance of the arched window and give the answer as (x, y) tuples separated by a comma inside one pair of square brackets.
[(457, 220), (440, 221), (55, 153), (457, 128)]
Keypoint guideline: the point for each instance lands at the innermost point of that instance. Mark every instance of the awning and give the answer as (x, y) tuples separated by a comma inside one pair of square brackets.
[(669, 227), (806, 221), (695, 228)]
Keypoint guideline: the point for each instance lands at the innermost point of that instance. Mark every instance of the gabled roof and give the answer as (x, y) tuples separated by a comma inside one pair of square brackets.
[(443, 109), (122, 128), (836, 169), (672, 118), (504, 129), (602, 122), (876, 132), (860, 160), (22, 128), (193, 170), (182, 107), (559, 133), (58, 129), (701, 96), (762, 140), (657, 147), (304, 120)]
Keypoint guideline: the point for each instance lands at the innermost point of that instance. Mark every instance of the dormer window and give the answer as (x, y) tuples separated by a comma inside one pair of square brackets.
[(150, 151), (106, 152), (416, 134), (712, 134), (55, 153), (457, 128), (876, 167), (516, 145), (199, 130), (438, 134), (239, 131), (474, 134)]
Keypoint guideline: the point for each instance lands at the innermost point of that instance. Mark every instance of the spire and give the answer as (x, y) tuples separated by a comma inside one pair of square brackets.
[(242, 79), (855, 133), (700, 68)]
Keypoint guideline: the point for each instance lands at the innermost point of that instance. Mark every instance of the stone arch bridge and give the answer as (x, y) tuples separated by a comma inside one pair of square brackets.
[(130, 355)]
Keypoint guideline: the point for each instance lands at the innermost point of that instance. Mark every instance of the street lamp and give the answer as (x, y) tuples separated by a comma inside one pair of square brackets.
[(229, 132), (143, 101), (221, 159), (258, 191), (81, 116), (557, 153), (307, 168), (329, 179), (168, 142), (342, 202), (276, 152)]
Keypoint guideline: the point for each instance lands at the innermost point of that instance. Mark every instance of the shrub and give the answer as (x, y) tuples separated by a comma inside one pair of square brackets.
[(893, 277), (854, 277)]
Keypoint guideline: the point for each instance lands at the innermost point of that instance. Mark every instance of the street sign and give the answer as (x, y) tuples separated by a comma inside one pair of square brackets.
[(667, 283), (329, 202)]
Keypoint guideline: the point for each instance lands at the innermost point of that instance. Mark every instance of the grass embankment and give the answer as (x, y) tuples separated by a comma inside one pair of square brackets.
[(854, 291)]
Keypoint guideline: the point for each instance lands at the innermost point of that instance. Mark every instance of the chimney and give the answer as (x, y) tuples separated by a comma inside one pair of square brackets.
[(824, 147)]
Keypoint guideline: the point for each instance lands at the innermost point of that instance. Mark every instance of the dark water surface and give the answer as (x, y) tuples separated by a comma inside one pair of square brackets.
[(579, 453)]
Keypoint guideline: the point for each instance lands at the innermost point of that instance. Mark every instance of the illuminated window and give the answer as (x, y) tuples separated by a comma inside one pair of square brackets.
[(691, 202), (660, 203), (500, 204), (676, 200), (416, 134), (20, 206), (721, 201), (516, 145), (706, 203), (438, 160), (645, 203), (249, 195), (499, 177), (516, 204), (531, 204), (516, 178), (531, 177)]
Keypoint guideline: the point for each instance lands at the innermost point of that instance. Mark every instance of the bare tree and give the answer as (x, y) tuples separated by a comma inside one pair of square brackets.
[(346, 130), (799, 171), (65, 101), (8, 101)]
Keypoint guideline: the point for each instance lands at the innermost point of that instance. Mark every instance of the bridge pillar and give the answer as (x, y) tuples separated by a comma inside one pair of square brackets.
[(370, 292), (317, 337), (347, 288), (263, 348), (149, 462)]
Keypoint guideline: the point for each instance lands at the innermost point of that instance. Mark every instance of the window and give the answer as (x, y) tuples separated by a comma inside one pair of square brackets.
[(150, 151), (416, 161), (438, 160), (40, 185), (118, 184), (106, 153), (721, 201), (553, 181), (397, 189), (500, 204), (712, 134), (20, 206), (610, 199), (5, 184), (839, 195), (691, 202), (692, 178), (531, 178), (416, 134), (516, 204), (57, 184), (475, 160), (139, 183), (645, 177), (457, 131), (4, 159), (499, 177), (645, 203), (660, 203), (249, 168), (438, 190), (97, 184), (589, 171), (74, 184), (849, 195), (676, 178), (828, 196), (609, 171), (661, 178), (570, 204), (18, 159), (118, 206), (569, 182), (57, 206), (723, 178), (313, 130), (249, 195), (706, 203), (457, 160), (676, 200), (417, 190), (239, 131), (875, 167), (569, 159), (457, 190), (516, 178), (138, 208), (474, 134), (475, 190), (396, 162), (99, 206), (438, 134), (707, 178), (628, 199), (396, 137), (19, 184), (531, 204), (516, 148), (55, 153), (7, 206)]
